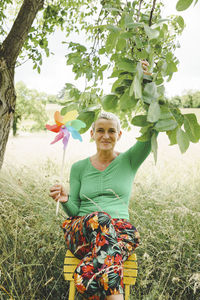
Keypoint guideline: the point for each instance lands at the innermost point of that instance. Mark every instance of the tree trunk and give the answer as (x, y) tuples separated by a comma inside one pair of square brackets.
[(9, 52), (7, 104)]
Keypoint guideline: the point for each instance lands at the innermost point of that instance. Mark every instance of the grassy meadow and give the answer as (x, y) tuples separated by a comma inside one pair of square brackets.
[(165, 208)]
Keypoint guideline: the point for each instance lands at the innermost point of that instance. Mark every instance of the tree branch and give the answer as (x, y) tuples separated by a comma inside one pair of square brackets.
[(139, 9), (13, 43), (151, 14)]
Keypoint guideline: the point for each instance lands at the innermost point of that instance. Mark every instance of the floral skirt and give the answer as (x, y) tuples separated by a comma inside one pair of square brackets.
[(102, 244)]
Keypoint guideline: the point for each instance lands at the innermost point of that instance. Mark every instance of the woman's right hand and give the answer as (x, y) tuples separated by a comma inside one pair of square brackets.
[(58, 193)]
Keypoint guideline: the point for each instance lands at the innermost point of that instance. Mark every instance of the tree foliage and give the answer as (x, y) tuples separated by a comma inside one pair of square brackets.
[(122, 34), (191, 99), (30, 106)]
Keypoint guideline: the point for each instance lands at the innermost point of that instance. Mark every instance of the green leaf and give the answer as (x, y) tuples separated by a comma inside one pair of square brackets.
[(166, 125), (165, 113), (131, 91), (127, 82), (151, 33), (93, 108), (181, 22), (133, 25), (128, 19), (126, 64), (140, 121), (102, 51), (172, 136), (121, 44), (161, 90), (75, 94), (171, 67), (127, 35), (137, 87), (177, 116), (182, 139), (146, 136), (127, 102), (69, 86), (109, 102), (113, 28), (153, 112), (120, 90), (147, 78), (111, 41), (69, 107), (139, 71), (192, 127), (137, 81), (154, 146), (183, 4), (88, 118), (150, 92)]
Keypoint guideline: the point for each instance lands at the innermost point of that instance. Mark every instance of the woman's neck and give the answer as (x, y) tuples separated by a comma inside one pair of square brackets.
[(102, 159), (105, 156)]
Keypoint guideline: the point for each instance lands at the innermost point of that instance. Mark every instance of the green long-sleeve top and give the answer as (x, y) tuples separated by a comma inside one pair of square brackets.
[(109, 190)]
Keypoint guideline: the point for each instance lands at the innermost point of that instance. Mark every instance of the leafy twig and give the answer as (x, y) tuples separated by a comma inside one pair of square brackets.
[(151, 14), (139, 9)]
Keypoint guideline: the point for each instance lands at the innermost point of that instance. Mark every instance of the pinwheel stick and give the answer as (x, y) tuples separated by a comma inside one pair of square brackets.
[(61, 177)]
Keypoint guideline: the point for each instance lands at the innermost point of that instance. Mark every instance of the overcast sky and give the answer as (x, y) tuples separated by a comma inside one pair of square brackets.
[(55, 73)]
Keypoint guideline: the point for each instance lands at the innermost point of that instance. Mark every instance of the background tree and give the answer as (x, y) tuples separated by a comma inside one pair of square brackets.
[(27, 38), (9, 51), (191, 99), (30, 106)]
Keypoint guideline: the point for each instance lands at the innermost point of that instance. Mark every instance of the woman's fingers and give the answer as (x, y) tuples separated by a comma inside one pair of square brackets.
[(144, 62), (55, 191), (145, 66), (56, 187), (54, 194), (58, 193), (147, 73)]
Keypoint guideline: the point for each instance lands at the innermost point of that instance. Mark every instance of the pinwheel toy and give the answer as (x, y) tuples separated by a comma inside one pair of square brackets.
[(64, 126)]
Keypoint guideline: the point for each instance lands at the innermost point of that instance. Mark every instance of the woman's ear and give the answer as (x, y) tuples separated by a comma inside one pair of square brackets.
[(91, 133), (119, 135)]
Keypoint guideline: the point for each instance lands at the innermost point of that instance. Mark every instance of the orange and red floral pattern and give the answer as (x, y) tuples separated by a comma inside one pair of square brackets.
[(102, 244)]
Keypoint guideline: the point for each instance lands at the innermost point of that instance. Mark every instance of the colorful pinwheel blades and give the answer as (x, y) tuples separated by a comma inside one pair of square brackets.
[(65, 125)]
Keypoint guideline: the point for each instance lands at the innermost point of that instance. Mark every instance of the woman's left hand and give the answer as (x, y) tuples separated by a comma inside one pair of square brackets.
[(145, 66)]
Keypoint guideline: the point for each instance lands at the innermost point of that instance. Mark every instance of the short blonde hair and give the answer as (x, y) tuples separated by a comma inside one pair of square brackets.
[(108, 116)]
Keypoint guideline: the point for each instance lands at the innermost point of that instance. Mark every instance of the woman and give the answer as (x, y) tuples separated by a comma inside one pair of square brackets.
[(98, 230)]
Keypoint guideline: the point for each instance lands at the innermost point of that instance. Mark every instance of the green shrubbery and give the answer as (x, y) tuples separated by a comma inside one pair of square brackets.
[(191, 99)]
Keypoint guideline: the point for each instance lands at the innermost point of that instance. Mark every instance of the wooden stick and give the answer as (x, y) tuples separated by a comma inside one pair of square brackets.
[(61, 178)]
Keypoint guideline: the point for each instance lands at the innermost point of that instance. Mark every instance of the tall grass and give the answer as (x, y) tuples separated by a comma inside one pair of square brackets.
[(32, 248), (166, 210), (164, 207)]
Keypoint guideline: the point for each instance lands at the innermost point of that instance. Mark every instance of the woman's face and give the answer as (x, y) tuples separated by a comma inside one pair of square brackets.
[(105, 134)]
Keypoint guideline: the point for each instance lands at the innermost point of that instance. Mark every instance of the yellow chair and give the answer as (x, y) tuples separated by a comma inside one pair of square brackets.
[(130, 272)]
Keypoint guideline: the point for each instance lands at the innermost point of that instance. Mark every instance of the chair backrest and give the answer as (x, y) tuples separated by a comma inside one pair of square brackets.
[(130, 268)]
